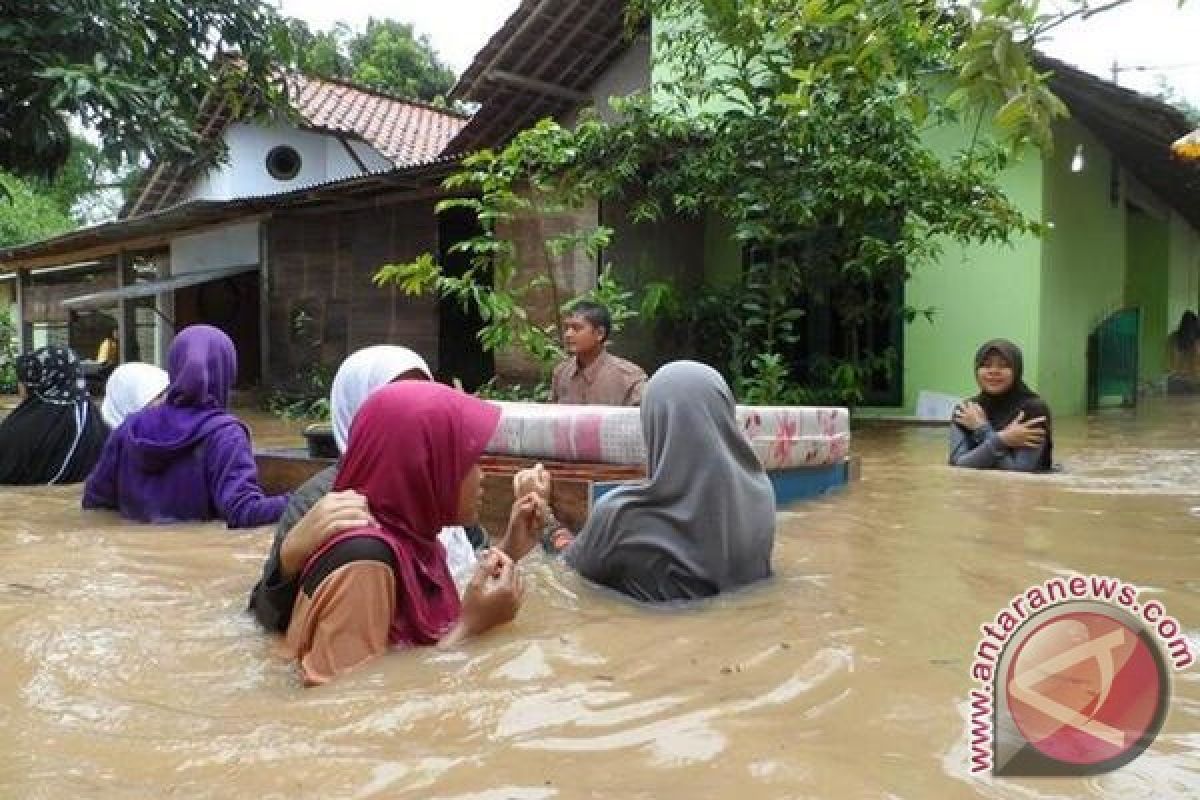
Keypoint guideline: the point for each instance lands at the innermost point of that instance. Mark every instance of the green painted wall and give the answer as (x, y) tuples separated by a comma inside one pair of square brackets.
[(1146, 280), (1083, 264), (977, 293), (1183, 279)]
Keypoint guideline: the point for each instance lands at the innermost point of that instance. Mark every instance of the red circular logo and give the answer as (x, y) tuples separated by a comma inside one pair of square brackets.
[(1084, 688)]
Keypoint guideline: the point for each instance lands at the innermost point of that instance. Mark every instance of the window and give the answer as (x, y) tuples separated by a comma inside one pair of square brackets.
[(284, 162)]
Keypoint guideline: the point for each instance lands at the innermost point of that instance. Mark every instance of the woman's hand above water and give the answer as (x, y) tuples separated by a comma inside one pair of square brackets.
[(1024, 433), (332, 514), (525, 523), (492, 598), (970, 415), (534, 479)]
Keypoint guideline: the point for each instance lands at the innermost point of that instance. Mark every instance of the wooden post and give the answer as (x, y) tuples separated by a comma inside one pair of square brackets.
[(126, 311), (24, 327), (264, 307)]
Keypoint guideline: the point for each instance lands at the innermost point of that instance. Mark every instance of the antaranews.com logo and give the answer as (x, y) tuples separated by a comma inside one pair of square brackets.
[(1073, 679)]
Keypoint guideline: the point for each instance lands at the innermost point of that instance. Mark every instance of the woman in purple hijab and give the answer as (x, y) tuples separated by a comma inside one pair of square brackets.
[(153, 464)]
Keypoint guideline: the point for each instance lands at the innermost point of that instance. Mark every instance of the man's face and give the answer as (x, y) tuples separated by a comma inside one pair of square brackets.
[(581, 336)]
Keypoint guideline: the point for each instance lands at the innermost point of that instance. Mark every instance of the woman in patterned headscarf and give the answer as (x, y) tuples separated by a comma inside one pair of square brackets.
[(56, 434)]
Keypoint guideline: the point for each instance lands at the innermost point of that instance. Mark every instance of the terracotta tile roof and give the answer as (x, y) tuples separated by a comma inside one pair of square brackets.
[(405, 131)]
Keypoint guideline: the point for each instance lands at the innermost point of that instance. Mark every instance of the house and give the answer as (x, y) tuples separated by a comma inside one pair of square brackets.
[(277, 244), (285, 262), (1121, 251)]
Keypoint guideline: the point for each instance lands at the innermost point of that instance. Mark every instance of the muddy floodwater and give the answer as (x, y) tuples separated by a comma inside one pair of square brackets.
[(130, 670)]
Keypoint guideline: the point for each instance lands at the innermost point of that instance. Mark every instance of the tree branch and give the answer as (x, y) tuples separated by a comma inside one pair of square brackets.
[(1083, 12)]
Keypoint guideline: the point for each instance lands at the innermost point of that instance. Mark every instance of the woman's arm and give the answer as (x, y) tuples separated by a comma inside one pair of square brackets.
[(233, 481), (100, 491), (977, 449), (1022, 459), (274, 595)]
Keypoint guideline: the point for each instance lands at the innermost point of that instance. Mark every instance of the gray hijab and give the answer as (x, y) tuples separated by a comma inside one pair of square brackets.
[(704, 523)]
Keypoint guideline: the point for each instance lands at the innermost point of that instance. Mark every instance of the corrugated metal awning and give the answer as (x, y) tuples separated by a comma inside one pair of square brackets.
[(109, 297)]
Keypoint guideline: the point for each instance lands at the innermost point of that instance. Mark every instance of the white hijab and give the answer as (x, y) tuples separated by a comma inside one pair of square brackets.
[(129, 389), (361, 374)]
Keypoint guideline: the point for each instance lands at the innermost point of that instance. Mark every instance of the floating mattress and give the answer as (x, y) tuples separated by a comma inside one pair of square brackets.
[(782, 437)]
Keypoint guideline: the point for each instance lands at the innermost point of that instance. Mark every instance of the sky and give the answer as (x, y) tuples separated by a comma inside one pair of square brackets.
[(1142, 33)]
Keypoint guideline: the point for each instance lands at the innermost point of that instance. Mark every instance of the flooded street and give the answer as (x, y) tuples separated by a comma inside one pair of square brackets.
[(131, 669)]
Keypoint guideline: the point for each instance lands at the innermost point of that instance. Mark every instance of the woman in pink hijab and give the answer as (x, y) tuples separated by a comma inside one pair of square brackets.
[(413, 453)]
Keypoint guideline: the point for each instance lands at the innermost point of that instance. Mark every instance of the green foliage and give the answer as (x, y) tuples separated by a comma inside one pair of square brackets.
[(8, 353), (388, 56), (132, 71), (804, 126), (307, 398), (33, 209), (27, 214), (492, 390)]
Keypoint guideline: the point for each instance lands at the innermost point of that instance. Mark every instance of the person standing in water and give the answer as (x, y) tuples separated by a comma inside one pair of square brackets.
[(129, 389), (56, 434), (592, 375), (315, 512), (413, 454), (1007, 425), (698, 526), (186, 458), (1183, 351)]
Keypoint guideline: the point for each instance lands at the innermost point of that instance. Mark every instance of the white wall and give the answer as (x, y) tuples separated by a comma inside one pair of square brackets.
[(231, 246), (339, 162), (244, 172)]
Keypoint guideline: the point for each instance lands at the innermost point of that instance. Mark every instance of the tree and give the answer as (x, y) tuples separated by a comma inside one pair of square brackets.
[(387, 55), (86, 190), (133, 71), (29, 214), (1173, 97), (805, 125)]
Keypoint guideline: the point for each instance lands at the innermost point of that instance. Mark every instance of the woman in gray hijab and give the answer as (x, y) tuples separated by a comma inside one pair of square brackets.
[(704, 522)]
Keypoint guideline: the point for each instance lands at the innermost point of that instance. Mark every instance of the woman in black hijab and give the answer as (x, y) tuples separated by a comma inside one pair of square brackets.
[(1184, 354), (1007, 425), (56, 434)]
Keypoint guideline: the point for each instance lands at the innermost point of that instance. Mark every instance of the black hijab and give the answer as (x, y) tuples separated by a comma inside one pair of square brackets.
[(1002, 409), (1185, 336), (56, 435)]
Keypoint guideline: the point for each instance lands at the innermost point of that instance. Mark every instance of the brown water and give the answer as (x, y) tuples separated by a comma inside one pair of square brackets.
[(131, 671)]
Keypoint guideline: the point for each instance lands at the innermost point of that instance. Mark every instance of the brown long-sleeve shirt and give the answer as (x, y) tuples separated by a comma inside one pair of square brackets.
[(607, 381)]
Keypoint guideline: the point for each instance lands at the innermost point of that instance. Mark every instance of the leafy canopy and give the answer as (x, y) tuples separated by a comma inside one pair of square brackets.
[(388, 55), (133, 71)]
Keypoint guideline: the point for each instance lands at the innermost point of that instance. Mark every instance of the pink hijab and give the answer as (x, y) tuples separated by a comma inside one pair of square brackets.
[(411, 445)]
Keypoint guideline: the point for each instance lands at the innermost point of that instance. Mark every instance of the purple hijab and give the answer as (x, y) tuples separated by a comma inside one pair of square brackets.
[(158, 457)]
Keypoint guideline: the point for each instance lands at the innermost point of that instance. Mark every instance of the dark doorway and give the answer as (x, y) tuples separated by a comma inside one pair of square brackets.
[(460, 354), (230, 304), (862, 323)]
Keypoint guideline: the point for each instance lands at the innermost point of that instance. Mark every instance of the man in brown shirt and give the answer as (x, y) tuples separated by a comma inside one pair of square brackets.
[(592, 375)]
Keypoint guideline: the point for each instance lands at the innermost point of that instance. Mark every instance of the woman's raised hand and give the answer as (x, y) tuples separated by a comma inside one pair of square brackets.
[(533, 479), (1024, 433), (525, 523), (970, 415), (493, 595)]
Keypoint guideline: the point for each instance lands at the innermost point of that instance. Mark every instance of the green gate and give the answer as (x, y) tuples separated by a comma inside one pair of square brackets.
[(1113, 360)]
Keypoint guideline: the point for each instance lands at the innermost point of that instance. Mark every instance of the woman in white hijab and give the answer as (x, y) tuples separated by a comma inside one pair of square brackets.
[(129, 389), (324, 513)]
